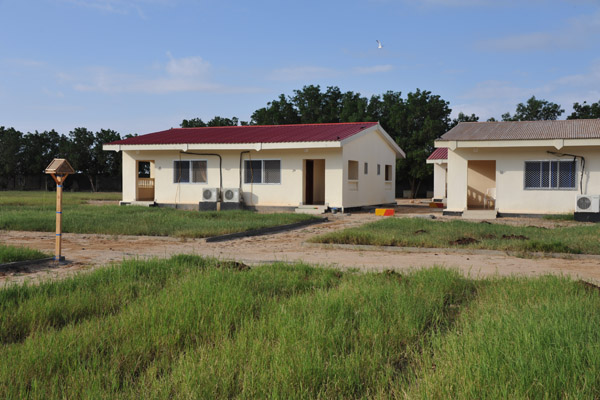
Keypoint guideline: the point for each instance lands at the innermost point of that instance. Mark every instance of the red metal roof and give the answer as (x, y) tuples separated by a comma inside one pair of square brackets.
[(251, 134), (439, 154)]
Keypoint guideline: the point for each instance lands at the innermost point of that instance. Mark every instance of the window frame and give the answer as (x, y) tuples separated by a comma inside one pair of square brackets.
[(354, 177), (385, 177), (262, 171), (558, 187), (190, 172)]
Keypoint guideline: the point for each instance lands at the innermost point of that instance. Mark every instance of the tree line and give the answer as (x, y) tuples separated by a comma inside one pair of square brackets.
[(29, 154), (414, 121)]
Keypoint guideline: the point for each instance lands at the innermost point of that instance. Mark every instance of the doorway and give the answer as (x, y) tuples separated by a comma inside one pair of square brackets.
[(145, 181), (314, 182), (481, 184)]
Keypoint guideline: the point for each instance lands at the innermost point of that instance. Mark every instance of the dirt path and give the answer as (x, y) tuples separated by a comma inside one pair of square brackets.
[(85, 251)]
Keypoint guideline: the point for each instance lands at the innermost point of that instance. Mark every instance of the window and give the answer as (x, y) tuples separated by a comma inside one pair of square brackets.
[(190, 171), (262, 171), (352, 170), (366, 168), (550, 175), (388, 172), (378, 169)]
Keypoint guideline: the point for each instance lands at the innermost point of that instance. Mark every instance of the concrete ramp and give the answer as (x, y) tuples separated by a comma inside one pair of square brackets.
[(480, 214), (311, 209)]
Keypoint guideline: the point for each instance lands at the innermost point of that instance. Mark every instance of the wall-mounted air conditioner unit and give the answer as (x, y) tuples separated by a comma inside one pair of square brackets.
[(231, 195), (210, 194), (588, 203)]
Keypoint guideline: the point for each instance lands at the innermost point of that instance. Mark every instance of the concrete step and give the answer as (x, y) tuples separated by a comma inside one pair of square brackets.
[(480, 214), (311, 209), (137, 203)]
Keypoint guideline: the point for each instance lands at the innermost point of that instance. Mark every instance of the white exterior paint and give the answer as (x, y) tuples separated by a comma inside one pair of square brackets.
[(440, 171), (511, 196), (372, 146)]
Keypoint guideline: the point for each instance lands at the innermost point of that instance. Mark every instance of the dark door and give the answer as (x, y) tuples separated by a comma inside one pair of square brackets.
[(309, 182)]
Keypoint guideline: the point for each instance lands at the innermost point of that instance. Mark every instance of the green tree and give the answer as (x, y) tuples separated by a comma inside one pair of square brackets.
[(310, 104), (417, 122), (277, 112), (585, 111), (192, 123), (107, 163), (11, 142), (81, 154), (220, 121), (463, 118), (354, 108), (535, 110)]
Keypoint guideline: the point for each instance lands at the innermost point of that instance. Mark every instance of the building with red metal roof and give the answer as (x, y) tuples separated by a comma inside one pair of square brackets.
[(341, 165)]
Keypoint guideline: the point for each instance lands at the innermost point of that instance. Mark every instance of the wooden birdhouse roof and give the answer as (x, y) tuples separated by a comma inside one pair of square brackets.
[(59, 166)]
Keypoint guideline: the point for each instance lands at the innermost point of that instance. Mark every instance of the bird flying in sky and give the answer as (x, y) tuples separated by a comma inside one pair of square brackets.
[(379, 45)]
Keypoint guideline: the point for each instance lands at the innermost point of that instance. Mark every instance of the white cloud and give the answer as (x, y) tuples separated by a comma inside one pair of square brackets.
[(493, 98), (187, 67), (375, 69), (24, 62), (576, 33), (188, 74), (123, 7)]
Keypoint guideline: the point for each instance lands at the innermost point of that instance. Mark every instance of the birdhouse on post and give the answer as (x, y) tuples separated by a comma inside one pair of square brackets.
[(59, 169)]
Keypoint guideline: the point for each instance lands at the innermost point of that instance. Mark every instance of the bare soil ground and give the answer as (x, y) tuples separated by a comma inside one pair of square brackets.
[(86, 251)]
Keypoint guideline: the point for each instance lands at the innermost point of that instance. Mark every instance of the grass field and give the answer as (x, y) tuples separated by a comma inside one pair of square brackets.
[(34, 211), (417, 232), (14, 253), (189, 327)]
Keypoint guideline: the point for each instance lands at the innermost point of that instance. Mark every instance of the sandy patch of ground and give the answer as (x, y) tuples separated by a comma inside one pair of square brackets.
[(86, 251)]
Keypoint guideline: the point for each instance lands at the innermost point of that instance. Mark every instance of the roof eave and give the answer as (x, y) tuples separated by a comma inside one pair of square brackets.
[(223, 146), (556, 143)]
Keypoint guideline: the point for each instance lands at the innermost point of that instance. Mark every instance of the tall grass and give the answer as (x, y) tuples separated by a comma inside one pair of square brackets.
[(47, 199), (16, 253), (116, 220), (217, 330), (416, 232), (521, 338)]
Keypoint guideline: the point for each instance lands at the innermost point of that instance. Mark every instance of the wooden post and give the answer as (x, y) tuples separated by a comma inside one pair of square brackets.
[(59, 169), (59, 189)]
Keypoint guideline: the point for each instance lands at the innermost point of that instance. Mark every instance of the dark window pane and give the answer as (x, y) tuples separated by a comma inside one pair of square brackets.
[(181, 171), (199, 171), (272, 171), (545, 174), (253, 171), (532, 174), (143, 169), (566, 175), (554, 174)]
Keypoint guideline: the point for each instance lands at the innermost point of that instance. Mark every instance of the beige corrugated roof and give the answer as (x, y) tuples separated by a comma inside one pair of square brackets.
[(525, 130)]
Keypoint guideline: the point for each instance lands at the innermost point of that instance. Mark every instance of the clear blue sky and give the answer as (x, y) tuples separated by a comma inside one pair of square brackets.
[(139, 66)]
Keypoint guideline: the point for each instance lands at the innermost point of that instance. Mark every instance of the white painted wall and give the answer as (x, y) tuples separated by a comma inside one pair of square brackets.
[(371, 189), (439, 180), (288, 193), (511, 197)]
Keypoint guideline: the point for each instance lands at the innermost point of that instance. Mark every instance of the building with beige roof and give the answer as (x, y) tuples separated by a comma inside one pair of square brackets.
[(524, 167)]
